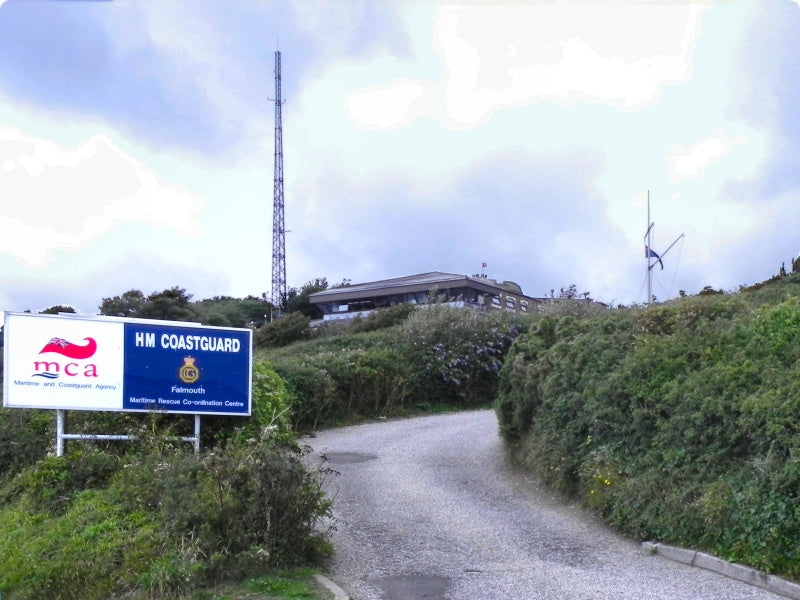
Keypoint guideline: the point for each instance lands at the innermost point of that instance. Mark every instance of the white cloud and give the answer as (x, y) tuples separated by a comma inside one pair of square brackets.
[(64, 198), (689, 162), (387, 107), (505, 56)]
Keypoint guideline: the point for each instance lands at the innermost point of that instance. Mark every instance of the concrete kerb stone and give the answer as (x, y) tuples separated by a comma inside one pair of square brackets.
[(333, 591), (692, 558), (680, 555), (723, 567)]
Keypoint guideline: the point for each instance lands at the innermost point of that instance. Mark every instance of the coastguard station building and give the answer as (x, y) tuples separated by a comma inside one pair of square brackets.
[(476, 292)]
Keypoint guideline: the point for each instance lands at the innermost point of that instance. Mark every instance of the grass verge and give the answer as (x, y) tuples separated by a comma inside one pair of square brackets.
[(279, 585)]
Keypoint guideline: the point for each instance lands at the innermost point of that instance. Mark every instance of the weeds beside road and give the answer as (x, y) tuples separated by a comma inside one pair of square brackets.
[(287, 585)]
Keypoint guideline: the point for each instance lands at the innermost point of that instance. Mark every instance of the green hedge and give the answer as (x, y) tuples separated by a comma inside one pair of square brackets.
[(394, 362), (677, 423)]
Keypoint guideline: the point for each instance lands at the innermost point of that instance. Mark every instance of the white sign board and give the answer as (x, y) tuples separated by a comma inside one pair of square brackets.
[(85, 363)]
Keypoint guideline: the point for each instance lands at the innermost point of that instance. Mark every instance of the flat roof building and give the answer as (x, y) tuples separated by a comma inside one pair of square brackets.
[(476, 291)]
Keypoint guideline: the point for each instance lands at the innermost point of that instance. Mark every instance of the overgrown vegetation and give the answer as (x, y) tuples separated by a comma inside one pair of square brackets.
[(677, 423), (150, 519), (394, 362)]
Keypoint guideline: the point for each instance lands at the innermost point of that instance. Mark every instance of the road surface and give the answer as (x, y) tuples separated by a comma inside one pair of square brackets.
[(429, 508)]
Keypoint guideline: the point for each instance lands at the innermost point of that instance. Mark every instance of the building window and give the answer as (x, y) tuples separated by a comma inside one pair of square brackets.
[(496, 301), (510, 303), (523, 306)]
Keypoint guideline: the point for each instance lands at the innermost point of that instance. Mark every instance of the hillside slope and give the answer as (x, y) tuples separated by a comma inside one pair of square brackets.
[(677, 423)]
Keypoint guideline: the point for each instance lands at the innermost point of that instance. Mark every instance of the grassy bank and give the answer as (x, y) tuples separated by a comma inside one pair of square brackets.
[(677, 423), (150, 519)]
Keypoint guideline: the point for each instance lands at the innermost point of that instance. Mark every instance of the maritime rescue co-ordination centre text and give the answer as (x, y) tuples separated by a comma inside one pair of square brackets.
[(129, 365)]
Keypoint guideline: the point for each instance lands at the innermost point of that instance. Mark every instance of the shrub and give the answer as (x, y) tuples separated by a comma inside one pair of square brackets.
[(159, 524), (382, 318), (329, 387), (270, 410), (253, 503), (455, 355), (281, 332), (151, 519), (311, 389), (25, 437), (52, 484), (369, 382), (519, 389), (677, 422)]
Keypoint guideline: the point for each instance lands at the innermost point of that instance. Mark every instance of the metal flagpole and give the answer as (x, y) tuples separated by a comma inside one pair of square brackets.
[(648, 241), (647, 252)]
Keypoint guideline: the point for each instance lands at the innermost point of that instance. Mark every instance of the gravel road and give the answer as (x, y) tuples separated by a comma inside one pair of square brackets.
[(428, 508)]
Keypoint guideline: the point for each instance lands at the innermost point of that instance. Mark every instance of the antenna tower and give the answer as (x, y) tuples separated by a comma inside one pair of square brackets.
[(278, 225)]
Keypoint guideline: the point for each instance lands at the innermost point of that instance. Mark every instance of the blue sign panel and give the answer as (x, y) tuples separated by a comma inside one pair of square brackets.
[(197, 370)]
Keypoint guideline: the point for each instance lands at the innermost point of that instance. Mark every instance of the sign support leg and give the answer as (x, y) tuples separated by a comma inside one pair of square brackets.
[(61, 419), (197, 434)]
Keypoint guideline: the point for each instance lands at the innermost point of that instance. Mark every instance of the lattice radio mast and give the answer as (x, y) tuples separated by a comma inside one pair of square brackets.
[(278, 225)]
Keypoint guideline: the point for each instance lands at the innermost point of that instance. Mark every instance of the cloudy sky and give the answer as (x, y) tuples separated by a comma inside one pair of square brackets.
[(137, 144)]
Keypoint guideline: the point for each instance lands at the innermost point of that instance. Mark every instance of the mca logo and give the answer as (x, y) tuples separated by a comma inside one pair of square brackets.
[(52, 369), (188, 372)]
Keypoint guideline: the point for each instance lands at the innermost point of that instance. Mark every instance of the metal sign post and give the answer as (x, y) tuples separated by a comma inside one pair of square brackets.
[(62, 436)]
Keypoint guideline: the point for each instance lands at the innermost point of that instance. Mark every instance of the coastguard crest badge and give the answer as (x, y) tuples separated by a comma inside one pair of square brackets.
[(188, 372)]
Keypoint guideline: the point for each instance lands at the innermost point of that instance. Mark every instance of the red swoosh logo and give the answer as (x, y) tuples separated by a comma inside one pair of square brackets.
[(70, 350)]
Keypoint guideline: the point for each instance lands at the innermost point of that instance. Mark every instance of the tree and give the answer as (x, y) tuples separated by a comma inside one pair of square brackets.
[(58, 308), (123, 306), (233, 312), (297, 300), (169, 305), (570, 293)]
